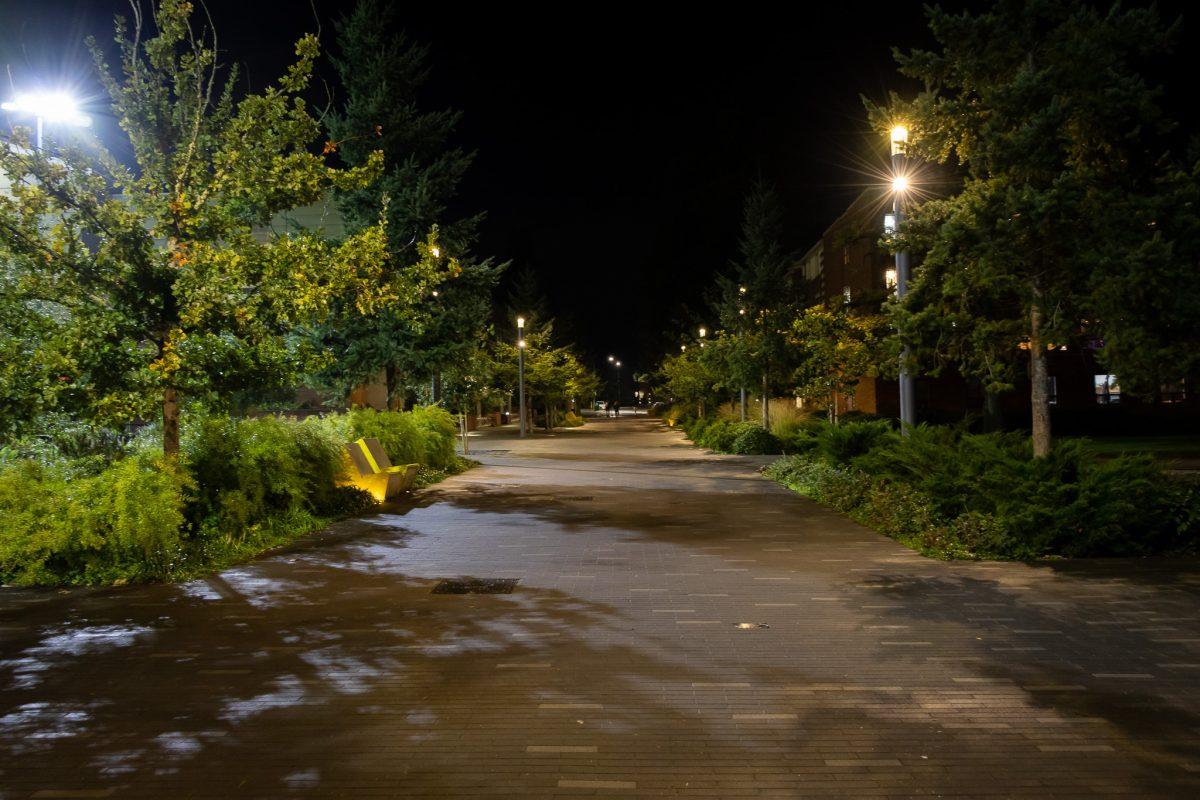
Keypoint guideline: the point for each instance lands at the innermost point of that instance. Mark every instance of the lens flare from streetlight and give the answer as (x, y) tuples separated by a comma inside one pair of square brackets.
[(50, 106), (900, 183), (521, 343)]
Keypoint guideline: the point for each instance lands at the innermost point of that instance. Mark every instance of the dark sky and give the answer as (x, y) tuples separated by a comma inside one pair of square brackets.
[(614, 143)]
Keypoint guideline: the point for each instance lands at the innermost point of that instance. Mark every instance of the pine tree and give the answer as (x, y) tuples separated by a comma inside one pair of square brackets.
[(1072, 225), (752, 300), (382, 73)]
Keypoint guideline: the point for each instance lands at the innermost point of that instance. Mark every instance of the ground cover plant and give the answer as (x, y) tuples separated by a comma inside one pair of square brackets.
[(81, 507), (954, 494)]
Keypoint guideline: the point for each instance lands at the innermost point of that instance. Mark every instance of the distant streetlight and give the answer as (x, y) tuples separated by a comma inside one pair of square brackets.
[(900, 186), (52, 107), (521, 373), (703, 333)]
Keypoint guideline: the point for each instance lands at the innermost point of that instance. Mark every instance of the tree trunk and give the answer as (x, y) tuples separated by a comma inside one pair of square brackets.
[(170, 418), (993, 419), (437, 388), (1038, 395), (831, 411), (391, 380), (766, 403)]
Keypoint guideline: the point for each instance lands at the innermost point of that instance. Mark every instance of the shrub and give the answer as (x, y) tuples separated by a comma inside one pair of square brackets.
[(124, 522), (958, 494), (571, 420), (251, 469), (753, 440), (797, 434), (839, 444), (438, 431), (398, 433)]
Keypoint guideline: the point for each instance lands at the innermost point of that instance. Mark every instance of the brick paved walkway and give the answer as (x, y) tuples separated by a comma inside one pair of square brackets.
[(616, 669)]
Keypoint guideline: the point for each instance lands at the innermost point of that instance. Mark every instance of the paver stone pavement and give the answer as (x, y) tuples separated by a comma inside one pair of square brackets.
[(680, 627)]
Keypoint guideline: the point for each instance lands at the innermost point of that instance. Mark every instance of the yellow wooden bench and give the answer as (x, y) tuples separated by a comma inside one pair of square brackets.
[(375, 471)]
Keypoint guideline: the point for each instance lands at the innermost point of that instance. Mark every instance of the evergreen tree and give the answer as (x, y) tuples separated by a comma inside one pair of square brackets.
[(752, 300), (382, 73), (1071, 227)]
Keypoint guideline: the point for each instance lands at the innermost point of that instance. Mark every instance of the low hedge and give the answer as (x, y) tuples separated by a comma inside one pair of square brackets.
[(959, 495), (723, 435), (239, 486)]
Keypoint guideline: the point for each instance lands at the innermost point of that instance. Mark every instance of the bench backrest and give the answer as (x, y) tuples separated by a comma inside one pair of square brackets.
[(369, 456)]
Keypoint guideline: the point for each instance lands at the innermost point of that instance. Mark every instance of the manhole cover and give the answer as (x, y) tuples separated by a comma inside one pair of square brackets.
[(476, 586)]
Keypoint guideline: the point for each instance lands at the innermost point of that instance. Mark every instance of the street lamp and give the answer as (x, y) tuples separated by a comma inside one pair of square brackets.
[(900, 186), (521, 372), (52, 107)]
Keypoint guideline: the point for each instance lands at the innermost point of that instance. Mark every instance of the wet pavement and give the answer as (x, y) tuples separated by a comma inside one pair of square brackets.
[(680, 627)]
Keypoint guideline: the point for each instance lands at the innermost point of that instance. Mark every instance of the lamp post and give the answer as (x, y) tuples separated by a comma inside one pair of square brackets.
[(899, 137), (742, 341), (48, 107), (521, 372)]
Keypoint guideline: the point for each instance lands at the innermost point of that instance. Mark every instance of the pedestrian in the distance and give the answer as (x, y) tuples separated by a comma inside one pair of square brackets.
[(616, 409)]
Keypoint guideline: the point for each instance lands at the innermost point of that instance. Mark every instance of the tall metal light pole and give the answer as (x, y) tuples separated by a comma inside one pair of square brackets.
[(742, 341), (617, 364), (48, 107), (521, 372), (899, 137)]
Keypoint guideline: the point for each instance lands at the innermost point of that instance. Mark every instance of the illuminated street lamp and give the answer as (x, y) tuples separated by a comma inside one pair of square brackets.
[(900, 187), (521, 372), (52, 107)]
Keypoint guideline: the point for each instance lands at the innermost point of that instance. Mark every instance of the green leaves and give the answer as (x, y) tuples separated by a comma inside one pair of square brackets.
[(169, 276)]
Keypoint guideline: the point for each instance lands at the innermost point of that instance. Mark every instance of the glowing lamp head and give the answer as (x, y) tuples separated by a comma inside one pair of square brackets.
[(900, 183), (50, 106), (899, 137), (741, 290), (889, 223), (611, 359), (435, 292), (618, 363), (520, 322), (436, 251), (703, 332), (683, 348)]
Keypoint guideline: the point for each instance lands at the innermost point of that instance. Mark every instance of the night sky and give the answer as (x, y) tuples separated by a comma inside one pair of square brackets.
[(614, 144)]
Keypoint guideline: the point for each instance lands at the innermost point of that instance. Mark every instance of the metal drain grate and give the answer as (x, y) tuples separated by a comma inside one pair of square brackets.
[(476, 586)]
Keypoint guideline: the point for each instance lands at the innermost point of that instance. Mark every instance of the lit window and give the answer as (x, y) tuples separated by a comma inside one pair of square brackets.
[(1108, 390), (846, 294), (889, 279)]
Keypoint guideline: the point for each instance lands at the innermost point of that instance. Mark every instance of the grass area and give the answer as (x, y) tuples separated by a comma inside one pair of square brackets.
[(1164, 447)]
